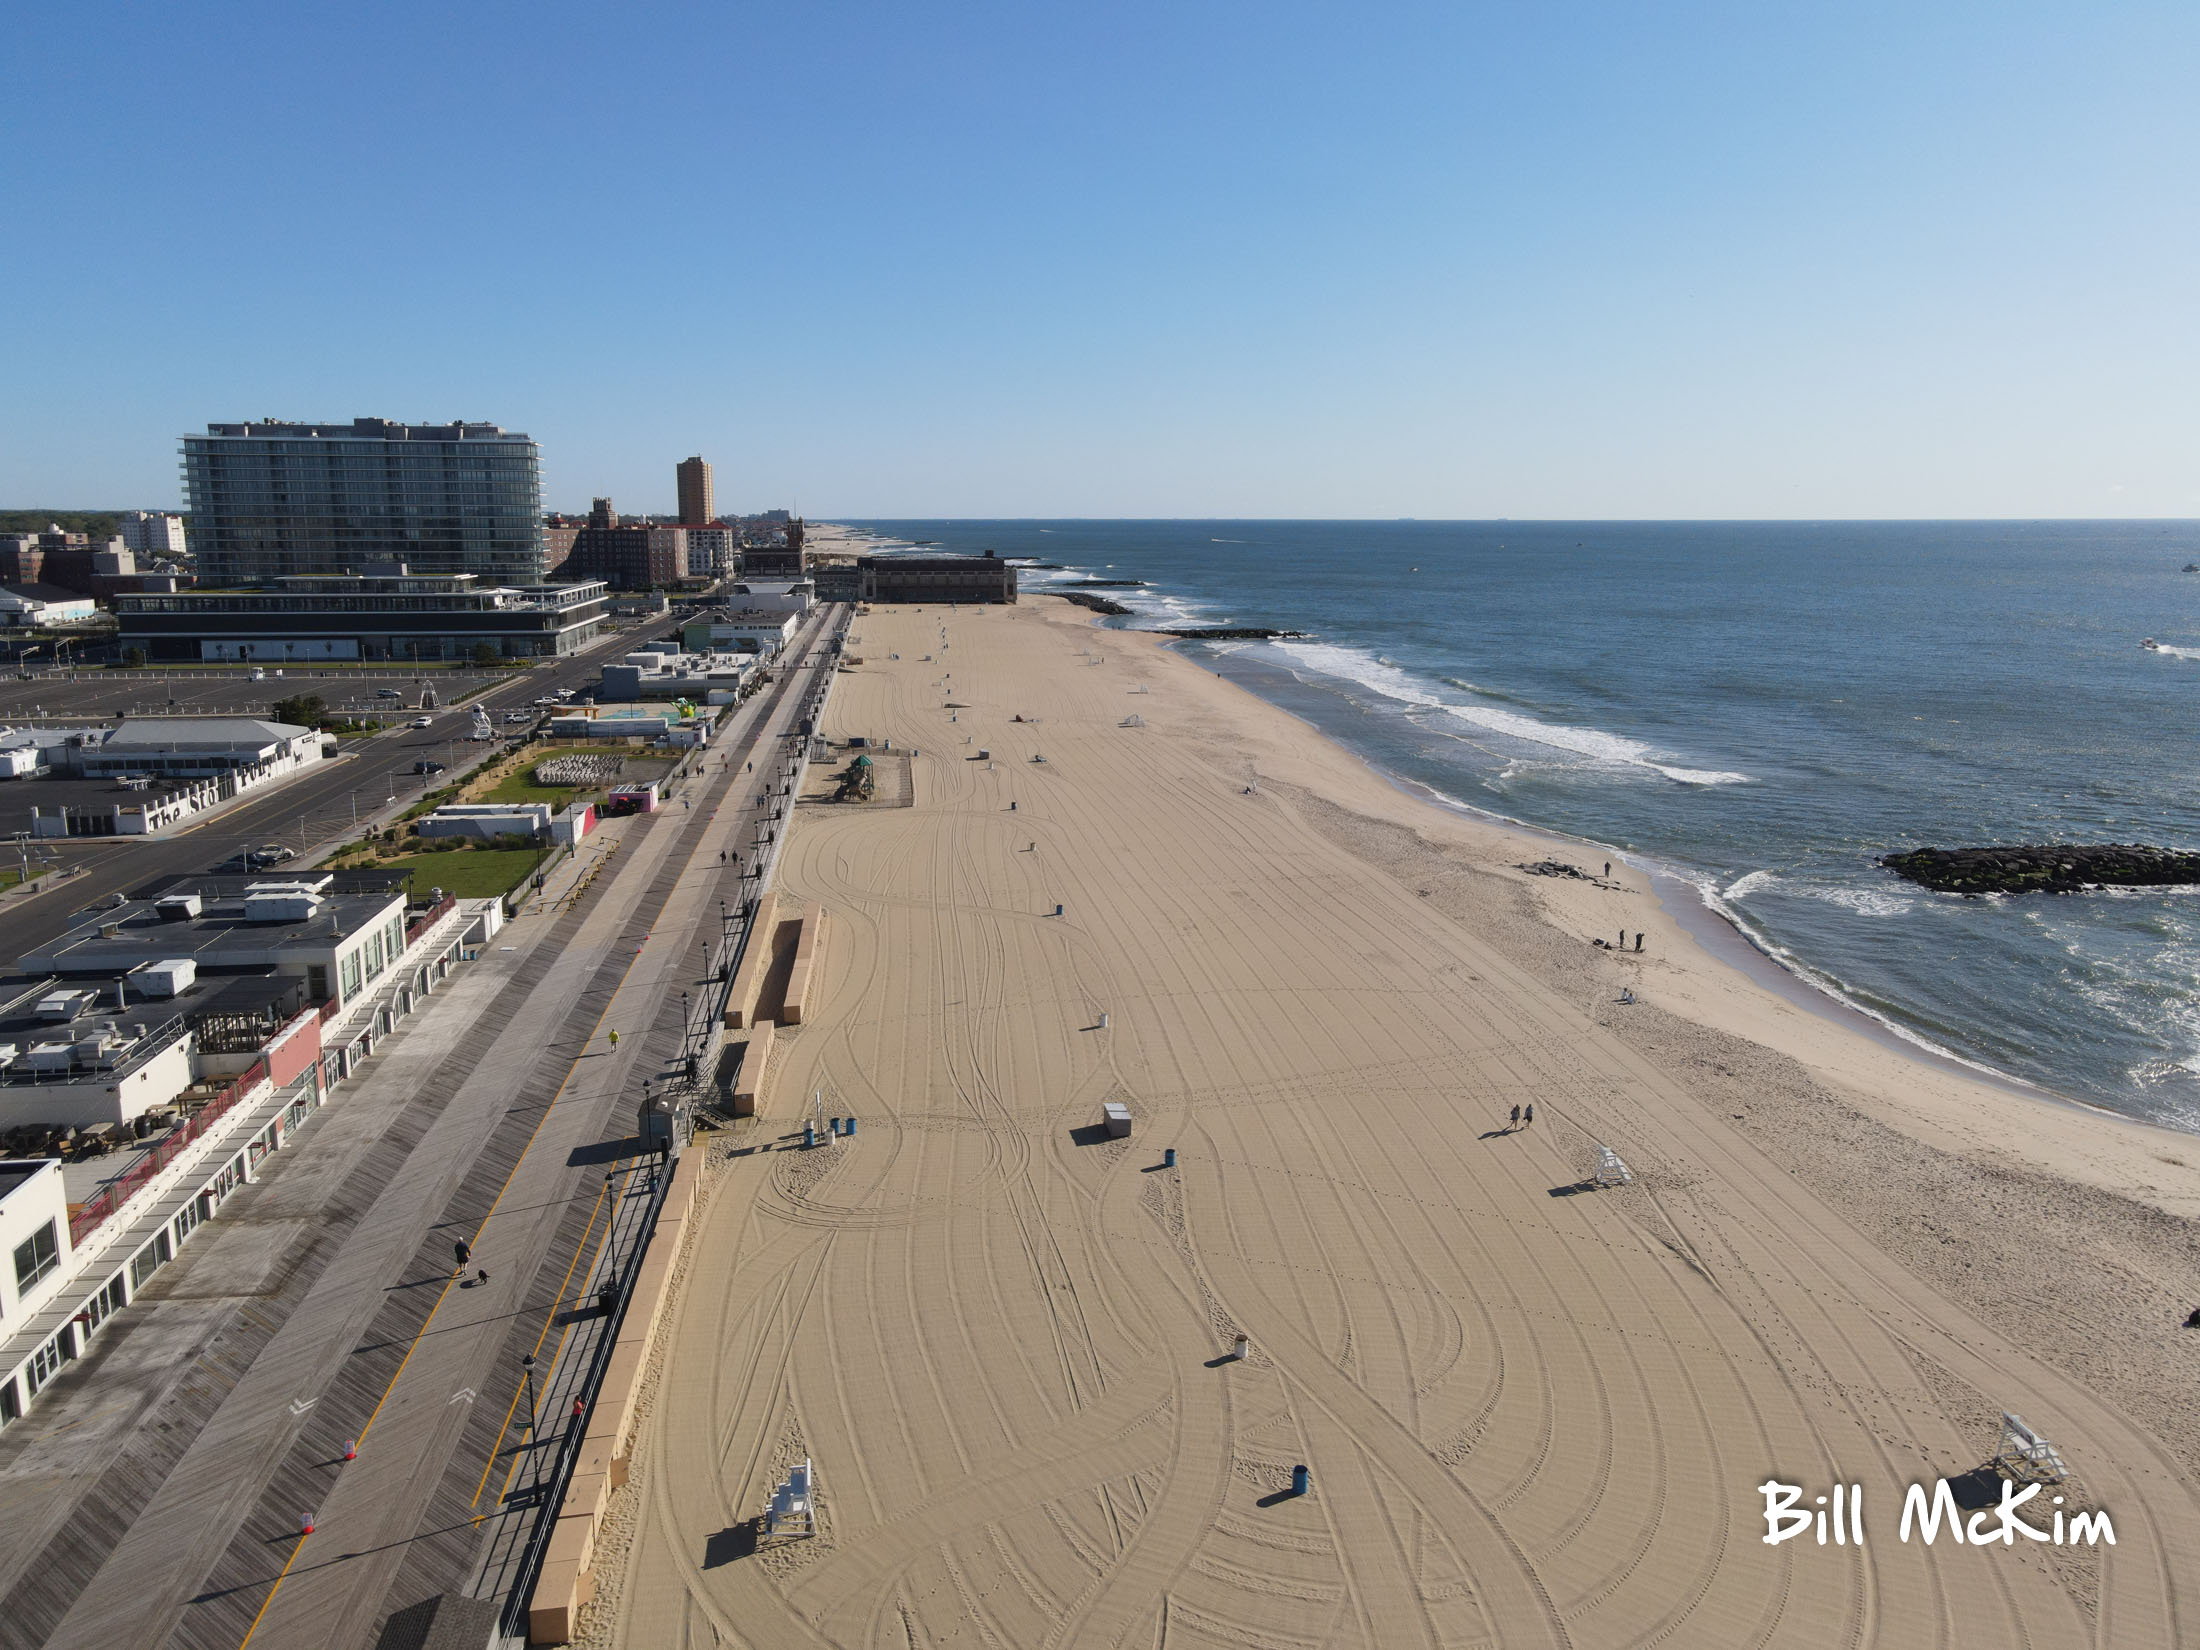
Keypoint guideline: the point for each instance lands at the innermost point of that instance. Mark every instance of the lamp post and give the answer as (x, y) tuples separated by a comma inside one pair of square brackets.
[(527, 1367)]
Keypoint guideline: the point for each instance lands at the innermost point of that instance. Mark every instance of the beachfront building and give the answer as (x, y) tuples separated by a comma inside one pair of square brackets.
[(796, 596), (82, 1232), (746, 630), (985, 578), (94, 1054), (665, 672), (655, 723), (333, 932), (274, 499), (392, 613), (487, 821), (784, 559)]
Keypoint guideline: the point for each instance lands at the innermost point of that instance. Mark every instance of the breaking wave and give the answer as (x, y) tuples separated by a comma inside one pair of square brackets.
[(1394, 682)]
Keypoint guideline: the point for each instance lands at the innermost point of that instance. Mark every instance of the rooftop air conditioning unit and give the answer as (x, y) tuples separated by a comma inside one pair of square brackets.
[(286, 905), (170, 977), (51, 1056), (63, 1006), (178, 907)]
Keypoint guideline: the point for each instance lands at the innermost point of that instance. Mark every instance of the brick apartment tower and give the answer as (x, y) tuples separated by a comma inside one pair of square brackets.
[(696, 504)]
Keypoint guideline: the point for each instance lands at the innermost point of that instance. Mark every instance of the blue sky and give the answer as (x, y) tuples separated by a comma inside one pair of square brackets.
[(1135, 260)]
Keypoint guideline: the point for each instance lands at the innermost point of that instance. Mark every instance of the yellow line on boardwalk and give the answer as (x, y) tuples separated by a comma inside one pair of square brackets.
[(271, 1592), (488, 1465), (563, 1084)]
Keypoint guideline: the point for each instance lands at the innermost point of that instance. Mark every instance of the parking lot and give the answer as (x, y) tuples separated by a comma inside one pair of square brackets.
[(105, 694)]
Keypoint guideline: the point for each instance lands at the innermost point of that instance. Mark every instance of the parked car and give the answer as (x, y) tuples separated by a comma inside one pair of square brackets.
[(388, 693), (427, 767), (274, 853)]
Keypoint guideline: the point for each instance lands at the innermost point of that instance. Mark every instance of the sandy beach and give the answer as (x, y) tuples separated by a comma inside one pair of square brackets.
[(1535, 1413)]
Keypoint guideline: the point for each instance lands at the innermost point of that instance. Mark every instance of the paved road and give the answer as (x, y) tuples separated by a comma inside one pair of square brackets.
[(155, 1500), (322, 801)]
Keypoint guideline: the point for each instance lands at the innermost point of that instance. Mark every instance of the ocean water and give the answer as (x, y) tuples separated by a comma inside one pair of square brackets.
[(1765, 709)]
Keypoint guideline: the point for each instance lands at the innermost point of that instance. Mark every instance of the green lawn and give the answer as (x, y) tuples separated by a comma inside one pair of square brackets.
[(13, 875), (470, 873), (517, 786)]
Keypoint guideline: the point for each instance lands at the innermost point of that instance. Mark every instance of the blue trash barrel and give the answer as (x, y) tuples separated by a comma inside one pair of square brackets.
[(1168, 1158), (1298, 1480), (848, 1128), (809, 1134)]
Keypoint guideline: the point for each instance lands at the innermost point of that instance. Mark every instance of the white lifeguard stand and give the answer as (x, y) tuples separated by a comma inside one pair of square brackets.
[(792, 1511), (2026, 1456), (1610, 1170)]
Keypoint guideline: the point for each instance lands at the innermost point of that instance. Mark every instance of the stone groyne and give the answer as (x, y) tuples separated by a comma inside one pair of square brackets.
[(2045, 868)]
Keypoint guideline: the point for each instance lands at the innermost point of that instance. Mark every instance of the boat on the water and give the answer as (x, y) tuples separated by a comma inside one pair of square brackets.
[(2151, 645)]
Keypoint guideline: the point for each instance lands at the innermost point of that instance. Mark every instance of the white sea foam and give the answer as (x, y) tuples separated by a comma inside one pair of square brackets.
[(1830, 985), (1869, 902), (1611, 749), (2177, 652)]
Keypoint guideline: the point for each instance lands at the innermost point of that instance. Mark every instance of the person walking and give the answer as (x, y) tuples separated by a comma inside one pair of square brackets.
[(1529, 1117), (1515, 1119), (464, 1251), (614, 1036), (1607, 867)]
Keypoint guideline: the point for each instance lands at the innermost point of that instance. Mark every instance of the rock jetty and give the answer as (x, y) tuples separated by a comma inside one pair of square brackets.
[(1098, 604), (2045, 868), (1228, 633)]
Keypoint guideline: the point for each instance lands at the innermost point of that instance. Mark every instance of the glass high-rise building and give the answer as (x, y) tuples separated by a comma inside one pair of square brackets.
[(274, 499)]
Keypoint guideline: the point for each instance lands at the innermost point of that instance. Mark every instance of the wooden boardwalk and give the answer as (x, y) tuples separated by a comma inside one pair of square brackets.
[(157, 1498)]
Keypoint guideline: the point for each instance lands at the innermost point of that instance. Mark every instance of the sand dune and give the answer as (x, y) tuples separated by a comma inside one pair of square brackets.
[(1534, 1414)]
